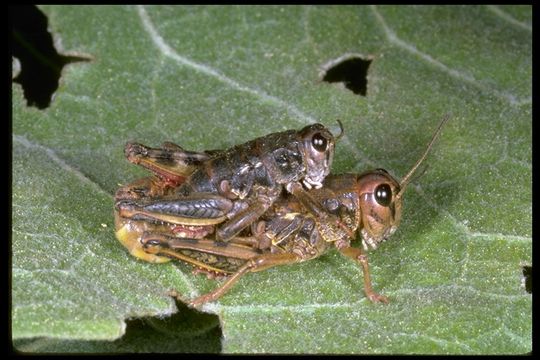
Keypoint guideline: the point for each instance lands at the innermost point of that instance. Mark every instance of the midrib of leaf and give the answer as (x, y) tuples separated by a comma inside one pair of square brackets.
[(168, 51)]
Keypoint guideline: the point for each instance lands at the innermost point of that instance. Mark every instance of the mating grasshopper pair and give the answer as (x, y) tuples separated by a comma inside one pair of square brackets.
[(267, 202)]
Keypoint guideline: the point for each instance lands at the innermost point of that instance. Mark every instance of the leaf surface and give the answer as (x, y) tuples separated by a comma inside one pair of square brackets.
[(212, 77)]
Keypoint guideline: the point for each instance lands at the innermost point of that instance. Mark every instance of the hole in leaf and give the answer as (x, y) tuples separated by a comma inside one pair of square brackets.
[(40, 63), (527, 278), (350, 70)]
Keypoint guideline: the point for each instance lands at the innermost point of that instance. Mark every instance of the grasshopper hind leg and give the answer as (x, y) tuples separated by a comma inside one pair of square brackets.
[(171, 163), (130, 234), (260, 263), (231, 259)]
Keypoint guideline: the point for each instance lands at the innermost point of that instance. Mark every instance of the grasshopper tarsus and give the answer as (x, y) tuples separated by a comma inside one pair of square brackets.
[(176, 295), (377, 298)]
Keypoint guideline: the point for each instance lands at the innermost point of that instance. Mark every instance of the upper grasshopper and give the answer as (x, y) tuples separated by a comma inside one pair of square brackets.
[(232, 187), (368, 203)]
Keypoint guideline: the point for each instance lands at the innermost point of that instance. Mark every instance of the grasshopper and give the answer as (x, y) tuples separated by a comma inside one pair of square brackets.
[(194, 191), (368, 203)]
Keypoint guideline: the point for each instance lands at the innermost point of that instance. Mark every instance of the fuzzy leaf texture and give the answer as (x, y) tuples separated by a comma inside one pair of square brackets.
[(208, 77)]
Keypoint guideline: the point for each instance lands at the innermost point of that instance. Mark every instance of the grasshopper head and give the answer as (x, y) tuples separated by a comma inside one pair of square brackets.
[(380, 206), (318, 145), (380, 199)]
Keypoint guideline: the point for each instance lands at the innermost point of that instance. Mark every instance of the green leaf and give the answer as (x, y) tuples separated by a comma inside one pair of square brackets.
[(185, 331), (212, 77)]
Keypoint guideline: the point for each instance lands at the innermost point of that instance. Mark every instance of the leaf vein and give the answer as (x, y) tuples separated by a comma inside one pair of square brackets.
[(513, 238), (394, 39), (438, 341), (504, 15), (162, 45), (60, 162), (460, 225)]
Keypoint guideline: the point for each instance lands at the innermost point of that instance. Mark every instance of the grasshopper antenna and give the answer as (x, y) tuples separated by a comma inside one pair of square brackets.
[(420, 174), (405, 181), (342, 130)]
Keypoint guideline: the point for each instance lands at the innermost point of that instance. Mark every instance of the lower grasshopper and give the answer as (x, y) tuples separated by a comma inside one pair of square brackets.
[(369, 203)]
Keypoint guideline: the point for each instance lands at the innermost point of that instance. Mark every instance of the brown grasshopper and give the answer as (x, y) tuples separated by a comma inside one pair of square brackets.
[(369, 203), (194, 191)]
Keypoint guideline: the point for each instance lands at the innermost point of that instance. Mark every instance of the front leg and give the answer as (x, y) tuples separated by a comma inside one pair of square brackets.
[(148, 187), (315, 208), (359, 256), (261, 202)]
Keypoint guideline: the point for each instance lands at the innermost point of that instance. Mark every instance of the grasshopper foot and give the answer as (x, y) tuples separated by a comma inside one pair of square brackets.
[(376, 298), (175, 294), (194, 303)]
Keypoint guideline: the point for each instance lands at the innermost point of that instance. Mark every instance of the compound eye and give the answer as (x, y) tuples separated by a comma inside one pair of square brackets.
[(319, 142), (383, 194)]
